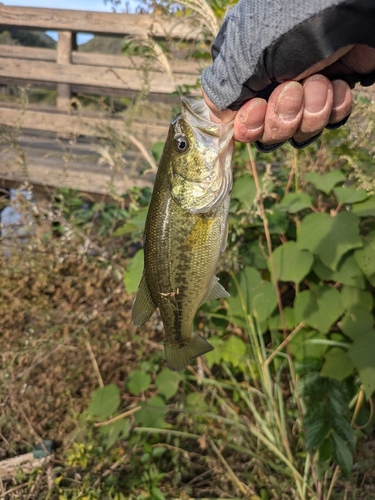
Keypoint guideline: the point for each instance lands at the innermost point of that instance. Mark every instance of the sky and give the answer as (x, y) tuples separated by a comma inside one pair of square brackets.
[(94, 5)]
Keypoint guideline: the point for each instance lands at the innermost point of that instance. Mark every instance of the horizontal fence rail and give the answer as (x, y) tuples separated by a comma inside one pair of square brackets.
[(101, 23), (79, 74)]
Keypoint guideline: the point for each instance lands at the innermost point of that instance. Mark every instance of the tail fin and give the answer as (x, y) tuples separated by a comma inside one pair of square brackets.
[(179, 357)]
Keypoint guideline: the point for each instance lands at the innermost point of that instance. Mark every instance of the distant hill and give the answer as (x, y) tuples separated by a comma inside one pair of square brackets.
[(103, 45), (26, 38)]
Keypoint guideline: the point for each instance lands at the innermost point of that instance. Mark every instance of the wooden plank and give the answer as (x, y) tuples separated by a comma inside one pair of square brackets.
[(93, 90), (59, 163), (56, 172), (20, 52), (94, 59), (88, 125), (96, 22), (27, 83), (65, 44), (90, 75)]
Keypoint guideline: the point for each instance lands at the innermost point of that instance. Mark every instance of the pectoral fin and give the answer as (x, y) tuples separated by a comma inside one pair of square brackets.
[(179, 357), (144, 305), (216, 291)]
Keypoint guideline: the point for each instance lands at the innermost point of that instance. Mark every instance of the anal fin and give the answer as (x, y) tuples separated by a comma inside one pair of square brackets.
[(144, 305), (216, 291)]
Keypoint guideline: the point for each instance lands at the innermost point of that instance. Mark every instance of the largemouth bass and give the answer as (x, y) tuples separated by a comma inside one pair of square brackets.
[(186, 230)]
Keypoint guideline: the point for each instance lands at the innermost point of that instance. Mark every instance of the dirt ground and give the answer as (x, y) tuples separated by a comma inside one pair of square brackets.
[(65, 329)]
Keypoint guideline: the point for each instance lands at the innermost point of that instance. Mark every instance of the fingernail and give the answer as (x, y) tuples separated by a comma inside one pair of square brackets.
[(289, 102), (253, 119), (339, 93), (315, 92)]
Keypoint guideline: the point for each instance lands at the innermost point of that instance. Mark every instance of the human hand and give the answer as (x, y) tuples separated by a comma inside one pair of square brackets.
[(300, 110)]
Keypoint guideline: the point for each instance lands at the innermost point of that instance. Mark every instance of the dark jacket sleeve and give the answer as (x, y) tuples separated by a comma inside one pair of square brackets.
[(265, 42)]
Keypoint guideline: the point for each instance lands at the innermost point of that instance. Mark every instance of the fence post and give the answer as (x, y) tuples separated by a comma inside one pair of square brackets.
[(65, 44)]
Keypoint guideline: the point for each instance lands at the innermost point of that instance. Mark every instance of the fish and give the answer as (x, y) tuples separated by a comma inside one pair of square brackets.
[(186, 230)]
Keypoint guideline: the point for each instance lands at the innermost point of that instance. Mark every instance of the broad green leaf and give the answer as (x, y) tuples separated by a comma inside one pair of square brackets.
[(264, 300), (127, 228), (365, 209), (348, 272), (329, 237), (325, 450), (133, 273), (244, 190), (315, 432), (233, 350), (115, 430), (274, 322), (104, 401), (136, 223), (278, 221), (294, 202), (354, 298), (215, 356), (361, 352), (356, 322), (337, 364), (325, 182), (365, 256), (301, 347), (152, 413), (247, 279), (349, 195), (259, 297), (319, 308), (138, 382), (291, 263), (253, 256), (341, 453), (167, 383), (342, 427)]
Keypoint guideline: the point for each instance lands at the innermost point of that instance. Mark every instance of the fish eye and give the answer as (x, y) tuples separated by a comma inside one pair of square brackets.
[(181, 144)]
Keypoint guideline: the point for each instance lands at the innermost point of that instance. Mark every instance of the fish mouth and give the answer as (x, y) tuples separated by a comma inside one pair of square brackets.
[(197, 115)]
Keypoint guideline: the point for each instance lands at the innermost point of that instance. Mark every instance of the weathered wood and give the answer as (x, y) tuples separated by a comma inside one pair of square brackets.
[(94, 59), (65, 44), (80, 169), (177, 67), (87, 125), (78, 74), (93, 90), (20, 52), (26, 83), (95, 22)]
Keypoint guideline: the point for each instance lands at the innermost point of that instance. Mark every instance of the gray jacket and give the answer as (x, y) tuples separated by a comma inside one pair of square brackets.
[(265, 42)]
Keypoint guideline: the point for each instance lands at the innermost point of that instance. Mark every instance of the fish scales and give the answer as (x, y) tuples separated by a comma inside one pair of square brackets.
[(185, 233)]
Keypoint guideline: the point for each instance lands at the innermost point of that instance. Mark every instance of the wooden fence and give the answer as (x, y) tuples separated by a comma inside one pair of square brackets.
[(70, 71)]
